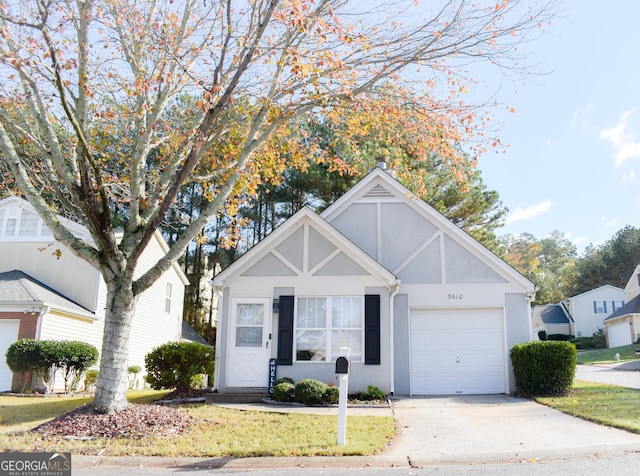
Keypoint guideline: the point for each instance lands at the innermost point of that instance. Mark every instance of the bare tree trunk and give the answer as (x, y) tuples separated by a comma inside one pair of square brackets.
[(112, 384)]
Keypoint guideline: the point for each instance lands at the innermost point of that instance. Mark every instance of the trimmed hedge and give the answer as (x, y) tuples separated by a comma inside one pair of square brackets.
[(284, 392), (310, 391), (175, 365), (544, 368), (46, 357)]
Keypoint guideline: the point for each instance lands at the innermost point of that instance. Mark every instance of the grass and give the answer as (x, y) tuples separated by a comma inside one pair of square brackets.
[(601, 403), (627, 352), (219, 432)]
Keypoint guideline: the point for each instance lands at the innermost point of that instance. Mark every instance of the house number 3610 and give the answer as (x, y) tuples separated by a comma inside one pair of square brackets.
[(454, 296)]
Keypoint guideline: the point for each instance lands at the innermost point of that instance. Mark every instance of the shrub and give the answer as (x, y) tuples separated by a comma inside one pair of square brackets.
[(310, 391), (559, 337), (46, 357), (284, 379), (373, 393), (175, 364), (284, 392), (90, 379), (134, 370), (544, 368), (331, 395)]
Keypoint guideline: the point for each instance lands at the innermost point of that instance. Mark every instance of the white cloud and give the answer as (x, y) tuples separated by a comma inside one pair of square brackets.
[(623, 141), (609, 222), (630, 177), (582, 116), (528, 213)]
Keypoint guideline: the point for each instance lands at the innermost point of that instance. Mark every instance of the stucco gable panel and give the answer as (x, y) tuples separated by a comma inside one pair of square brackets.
[(425, 268), (341, 265), (359, 224), (292, 248), (269, 265), (403, 232), (464, 267), (319, 248)]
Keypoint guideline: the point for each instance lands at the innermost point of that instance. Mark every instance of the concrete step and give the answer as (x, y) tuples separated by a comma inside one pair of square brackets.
[(236, 397)]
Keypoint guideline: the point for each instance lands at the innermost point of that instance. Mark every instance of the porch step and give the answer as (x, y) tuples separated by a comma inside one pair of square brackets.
[(236, 397)]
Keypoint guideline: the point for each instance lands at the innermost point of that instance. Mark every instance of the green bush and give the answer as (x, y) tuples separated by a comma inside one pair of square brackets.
[(310, 391), (284, 392), (133, 371), (284, 379), (331, 395), (47, 357), (544, 368), (90, 379), (373, 393), (559, 337), (176, 364)]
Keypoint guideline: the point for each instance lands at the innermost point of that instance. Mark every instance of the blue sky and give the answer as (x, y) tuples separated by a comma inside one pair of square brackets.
[(573, 161)]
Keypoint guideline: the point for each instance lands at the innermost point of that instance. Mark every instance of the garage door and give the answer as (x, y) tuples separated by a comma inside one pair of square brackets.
[(8, 335), (619, 334), (457, 352)]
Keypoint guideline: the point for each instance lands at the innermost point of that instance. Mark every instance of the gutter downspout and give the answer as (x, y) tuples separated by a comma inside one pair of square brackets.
[(394, 292)]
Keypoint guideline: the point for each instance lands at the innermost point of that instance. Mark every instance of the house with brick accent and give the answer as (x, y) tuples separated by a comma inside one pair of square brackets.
[(48, 293)]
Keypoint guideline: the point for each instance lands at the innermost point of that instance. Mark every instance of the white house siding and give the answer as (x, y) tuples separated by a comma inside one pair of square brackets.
[(152, 325), (587, 321), (59, 326)]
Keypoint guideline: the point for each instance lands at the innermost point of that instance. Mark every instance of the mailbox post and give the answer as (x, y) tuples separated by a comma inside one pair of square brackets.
[(342, 370)]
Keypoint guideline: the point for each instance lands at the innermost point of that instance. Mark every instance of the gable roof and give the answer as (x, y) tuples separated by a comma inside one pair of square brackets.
[(552, 314), (378, 183), (189, 334), (632, 307), (19, 289), (305, 215), (604, 286)]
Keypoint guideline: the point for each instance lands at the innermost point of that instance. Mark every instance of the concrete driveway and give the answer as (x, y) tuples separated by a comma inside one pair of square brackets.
[(624, 374), (495, 428)]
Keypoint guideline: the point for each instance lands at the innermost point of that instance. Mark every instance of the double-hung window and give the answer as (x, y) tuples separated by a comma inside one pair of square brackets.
[(328, 327)]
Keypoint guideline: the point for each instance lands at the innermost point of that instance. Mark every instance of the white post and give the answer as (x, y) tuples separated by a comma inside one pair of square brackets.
[(342, 409)]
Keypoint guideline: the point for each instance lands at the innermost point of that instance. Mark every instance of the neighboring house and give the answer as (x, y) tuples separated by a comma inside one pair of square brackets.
[(189, 334), (578, 316), (553, 319), (48, 293), (623, 326), (419, 306), (589, 309)]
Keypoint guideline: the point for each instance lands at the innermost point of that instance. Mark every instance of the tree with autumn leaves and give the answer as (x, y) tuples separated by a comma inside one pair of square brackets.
[(108, 108)]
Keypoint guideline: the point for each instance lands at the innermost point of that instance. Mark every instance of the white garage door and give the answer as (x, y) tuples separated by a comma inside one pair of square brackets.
[(457, 352), (8, 335), (619, 334)]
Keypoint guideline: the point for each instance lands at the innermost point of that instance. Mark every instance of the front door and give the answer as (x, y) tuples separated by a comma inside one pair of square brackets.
[(250, 350)]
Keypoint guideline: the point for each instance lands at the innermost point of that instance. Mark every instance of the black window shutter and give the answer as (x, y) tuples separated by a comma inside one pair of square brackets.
[(285, 330), (372, 329)]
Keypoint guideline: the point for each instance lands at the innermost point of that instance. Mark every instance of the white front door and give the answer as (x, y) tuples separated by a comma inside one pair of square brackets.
[(8, 335), (250, 343)]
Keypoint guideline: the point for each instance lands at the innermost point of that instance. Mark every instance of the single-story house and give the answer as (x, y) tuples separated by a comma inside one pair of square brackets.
[(417, 305), (623, 326), (48, 293)]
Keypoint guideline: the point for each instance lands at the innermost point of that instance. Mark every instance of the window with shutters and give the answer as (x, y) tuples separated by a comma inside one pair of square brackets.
[(328, 327), (600, 307)]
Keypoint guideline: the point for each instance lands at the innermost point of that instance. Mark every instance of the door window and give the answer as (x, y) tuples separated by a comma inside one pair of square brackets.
[(249, 325)]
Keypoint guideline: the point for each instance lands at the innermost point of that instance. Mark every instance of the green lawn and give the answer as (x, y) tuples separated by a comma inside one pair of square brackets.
[(219, 432), (602, 403), (626, 352)]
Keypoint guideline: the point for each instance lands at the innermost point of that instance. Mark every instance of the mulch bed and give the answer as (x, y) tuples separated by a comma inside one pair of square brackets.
[(135, 421)]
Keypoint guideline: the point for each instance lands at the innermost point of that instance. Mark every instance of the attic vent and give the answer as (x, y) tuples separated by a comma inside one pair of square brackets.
[(378, 192)]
